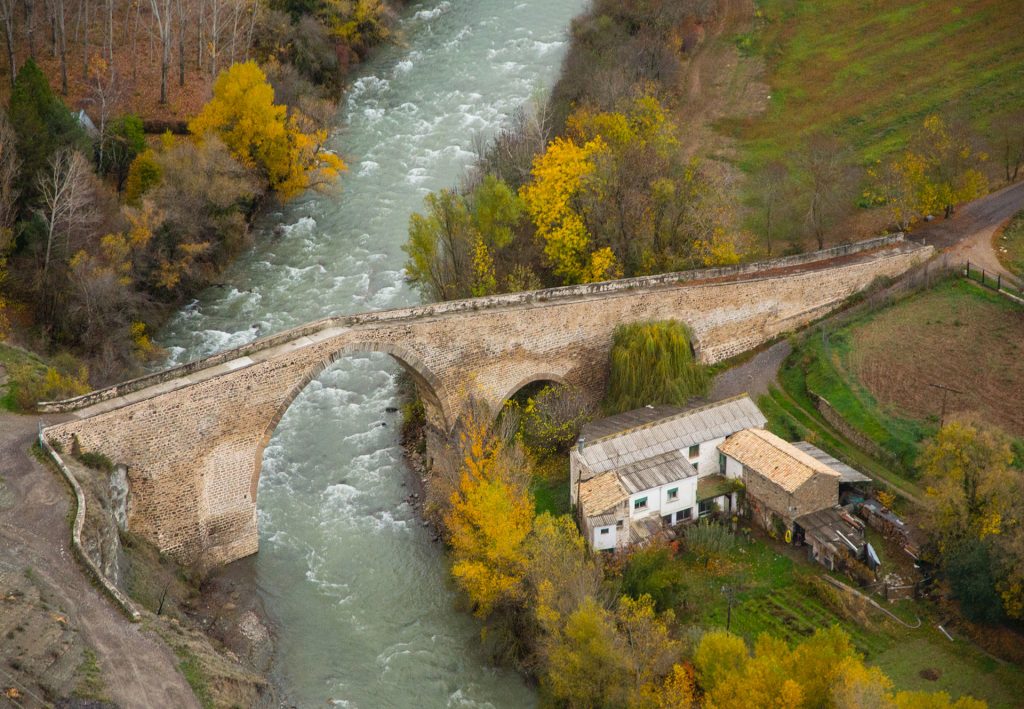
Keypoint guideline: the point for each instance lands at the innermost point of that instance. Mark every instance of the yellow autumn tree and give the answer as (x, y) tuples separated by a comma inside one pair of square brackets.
[(823, 670), (937, 171), (490, 518), (263, 135), (550, 198)]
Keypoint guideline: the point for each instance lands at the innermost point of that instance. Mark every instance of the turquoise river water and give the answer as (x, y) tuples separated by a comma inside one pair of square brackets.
[(360, 596)]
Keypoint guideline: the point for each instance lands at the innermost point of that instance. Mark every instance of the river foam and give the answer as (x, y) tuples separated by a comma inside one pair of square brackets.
[(365, 613)]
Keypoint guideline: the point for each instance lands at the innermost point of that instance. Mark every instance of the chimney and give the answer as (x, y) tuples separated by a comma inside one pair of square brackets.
[(579, 444)]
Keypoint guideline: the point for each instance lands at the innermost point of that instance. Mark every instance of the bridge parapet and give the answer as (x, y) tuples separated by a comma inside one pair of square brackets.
[(504, 300)]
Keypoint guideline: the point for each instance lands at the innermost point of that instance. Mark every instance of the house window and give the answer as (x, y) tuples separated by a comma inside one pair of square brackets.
[(605, 530), (673, 493), (684, 514), (618, 524), (640, 503), (721, 463), (695, 451), (695, 464), (706, 507)]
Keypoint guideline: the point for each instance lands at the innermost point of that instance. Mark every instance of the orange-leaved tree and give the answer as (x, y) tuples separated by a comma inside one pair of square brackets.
[(265, 136)]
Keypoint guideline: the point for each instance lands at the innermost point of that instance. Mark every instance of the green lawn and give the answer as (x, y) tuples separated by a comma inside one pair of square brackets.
[(1009, 245), (871, 71)]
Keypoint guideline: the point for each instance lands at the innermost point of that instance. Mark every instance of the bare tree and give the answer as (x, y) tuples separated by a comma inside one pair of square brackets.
[(162, 15), (182, 12), (29, 10), (7, 17), (65, 191), (1010, 142), (10, 165), (103, 96), (827, 179), (769, 194)]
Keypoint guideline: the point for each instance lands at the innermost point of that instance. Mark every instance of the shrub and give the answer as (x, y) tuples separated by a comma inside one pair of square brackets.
[(653, 363), (654, 571), (551, 420), (143, 175), (708, 540), (31, 384), (96, 461)]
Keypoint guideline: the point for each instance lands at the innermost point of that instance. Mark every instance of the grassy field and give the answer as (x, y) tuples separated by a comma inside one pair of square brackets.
[(871, 71), (877, 371), (1009, 245), (777, 591)]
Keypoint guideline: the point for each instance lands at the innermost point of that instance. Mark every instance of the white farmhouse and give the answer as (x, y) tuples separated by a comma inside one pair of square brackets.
[(635, 472)]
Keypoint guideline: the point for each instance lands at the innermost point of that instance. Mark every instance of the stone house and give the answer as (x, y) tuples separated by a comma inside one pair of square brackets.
[(634, 473), (783, 483)]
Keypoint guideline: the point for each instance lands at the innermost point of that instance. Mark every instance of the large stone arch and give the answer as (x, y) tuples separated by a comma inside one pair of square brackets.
[(429, 386)]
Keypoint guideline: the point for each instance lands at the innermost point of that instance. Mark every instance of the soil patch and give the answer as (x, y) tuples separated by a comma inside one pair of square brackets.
[(958, 336)]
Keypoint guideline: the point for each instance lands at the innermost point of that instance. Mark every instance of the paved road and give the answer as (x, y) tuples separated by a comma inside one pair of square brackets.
[(138, 669), (968, 234)]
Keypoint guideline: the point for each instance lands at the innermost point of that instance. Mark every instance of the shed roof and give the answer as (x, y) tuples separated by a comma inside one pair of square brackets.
[(832, 525), (846, 473), (676, 431), (770, 456), (601, 494), (657, 470)]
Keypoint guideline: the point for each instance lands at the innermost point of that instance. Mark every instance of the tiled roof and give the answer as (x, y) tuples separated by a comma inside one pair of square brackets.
[(654, 471), (677, 431), (601, 494), (770, 456), (846, 473)]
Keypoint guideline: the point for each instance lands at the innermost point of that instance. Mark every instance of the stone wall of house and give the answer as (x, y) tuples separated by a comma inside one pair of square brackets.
[(192, 438), (766, 497)]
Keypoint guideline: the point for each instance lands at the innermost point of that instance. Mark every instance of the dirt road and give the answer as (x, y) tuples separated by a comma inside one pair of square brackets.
[(968, 234), (138, 670)]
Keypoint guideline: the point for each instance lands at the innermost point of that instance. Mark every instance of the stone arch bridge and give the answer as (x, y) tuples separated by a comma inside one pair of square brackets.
[(192, 437)]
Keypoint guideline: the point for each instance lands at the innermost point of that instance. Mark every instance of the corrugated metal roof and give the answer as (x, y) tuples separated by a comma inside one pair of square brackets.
[(644, 528), (654, 471), (601, 494), (770, 456), (627, 420), (846, 473), (677, 431)]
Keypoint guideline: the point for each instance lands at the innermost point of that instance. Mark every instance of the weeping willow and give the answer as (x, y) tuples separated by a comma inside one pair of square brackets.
[(653, 363)]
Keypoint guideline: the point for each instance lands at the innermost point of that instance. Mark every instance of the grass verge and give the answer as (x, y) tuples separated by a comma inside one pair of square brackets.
[(1009, 245)]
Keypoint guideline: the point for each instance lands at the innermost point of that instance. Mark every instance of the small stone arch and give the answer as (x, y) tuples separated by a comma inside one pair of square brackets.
[(430, 387)]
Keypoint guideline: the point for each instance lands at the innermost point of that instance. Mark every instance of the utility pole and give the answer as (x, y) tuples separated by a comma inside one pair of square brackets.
[(730, 595), (945, 390)]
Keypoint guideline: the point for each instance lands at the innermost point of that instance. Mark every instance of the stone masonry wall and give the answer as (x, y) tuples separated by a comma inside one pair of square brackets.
[(193, 444)]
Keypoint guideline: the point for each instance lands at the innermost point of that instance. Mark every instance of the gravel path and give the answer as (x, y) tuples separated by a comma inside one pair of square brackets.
[(138, 669), (754, 376)]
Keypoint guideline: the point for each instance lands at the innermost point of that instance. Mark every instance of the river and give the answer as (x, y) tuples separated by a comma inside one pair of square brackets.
[(360, 596)]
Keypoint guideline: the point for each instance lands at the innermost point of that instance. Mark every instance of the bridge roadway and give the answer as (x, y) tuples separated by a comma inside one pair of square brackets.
[(192, 437)]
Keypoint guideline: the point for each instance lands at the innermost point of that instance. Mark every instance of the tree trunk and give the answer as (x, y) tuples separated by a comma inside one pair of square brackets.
[(181, 43), (7, 7), (58, 10), (30, 25)]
